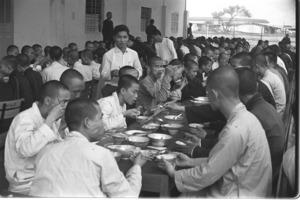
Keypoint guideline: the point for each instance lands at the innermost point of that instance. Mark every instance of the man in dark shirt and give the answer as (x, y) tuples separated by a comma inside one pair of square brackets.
[(150, 28), (34, 78), (244, 59), (6, 94), (19, 84), (107, 30), (194, 88)]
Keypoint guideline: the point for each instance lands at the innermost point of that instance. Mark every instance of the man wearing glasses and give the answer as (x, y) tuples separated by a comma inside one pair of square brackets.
[(32, 130)]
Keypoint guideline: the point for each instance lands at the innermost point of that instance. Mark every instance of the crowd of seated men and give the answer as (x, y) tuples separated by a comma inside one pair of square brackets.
[(48, 149)]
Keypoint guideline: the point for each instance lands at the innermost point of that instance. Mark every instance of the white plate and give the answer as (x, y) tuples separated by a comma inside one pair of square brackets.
[(138, 132), (201, 99), (200, 102), (157, 148)]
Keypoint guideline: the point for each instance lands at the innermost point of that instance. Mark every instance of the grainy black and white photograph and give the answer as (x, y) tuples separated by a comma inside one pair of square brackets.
[(149, 99)]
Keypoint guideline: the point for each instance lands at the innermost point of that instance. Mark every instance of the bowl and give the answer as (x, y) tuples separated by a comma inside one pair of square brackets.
[(151, 127), (119, 138), (136, 133), (159, 139), (137, 141), (168, 157), (116, 155), (125, 150), (173, 129), (163, 127), (174, 119), (194, 130), (141, 119)]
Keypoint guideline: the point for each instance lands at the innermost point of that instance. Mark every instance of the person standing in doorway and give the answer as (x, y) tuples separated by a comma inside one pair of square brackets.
[(150, 28), (107, 30)]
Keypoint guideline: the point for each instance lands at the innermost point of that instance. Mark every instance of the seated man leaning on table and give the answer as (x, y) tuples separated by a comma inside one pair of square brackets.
[(78, 168), (31, 131), (114, 107), (154, 88), (239, 165)]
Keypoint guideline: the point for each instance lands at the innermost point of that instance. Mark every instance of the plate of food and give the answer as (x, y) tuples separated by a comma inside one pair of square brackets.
[(136, 133)]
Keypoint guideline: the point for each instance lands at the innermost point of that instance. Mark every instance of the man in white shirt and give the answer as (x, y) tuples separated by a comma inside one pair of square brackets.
[(239, 165), (114, 107), (31, 131), (116, 58), (77, 168), (262, 69), (84, 67), (54, 71), (164, 47)]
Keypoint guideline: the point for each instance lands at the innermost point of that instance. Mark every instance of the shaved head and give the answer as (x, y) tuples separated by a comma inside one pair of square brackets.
[(154, 59), (241, 59), (261, 60), (225, 80), (74, 81)]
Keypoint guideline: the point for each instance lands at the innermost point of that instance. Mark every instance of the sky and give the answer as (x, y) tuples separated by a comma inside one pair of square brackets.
[(277, 12)]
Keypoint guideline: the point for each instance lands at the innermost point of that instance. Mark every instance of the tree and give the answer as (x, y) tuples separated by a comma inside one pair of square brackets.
[(227, 15)]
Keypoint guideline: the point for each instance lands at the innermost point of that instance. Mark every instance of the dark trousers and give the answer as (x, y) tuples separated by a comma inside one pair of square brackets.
[(107, 90)]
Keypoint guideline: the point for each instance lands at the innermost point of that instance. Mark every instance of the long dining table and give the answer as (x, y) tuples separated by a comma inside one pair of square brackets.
[(154, 179)]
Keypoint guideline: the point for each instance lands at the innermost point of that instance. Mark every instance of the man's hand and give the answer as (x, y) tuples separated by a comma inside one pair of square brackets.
[(140, 160), (167, 167), (114, 73), (193, 138), (169, 70), (185, 148), (183, 160), (131, 113), (174, 106), (184, 82), (201, 133), (54, 114)]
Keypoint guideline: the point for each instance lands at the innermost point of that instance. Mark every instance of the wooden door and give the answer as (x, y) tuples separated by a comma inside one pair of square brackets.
[(6, 25)]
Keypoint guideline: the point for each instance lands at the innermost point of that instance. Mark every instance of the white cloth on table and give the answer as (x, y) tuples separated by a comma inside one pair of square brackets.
[(166, 50), (53, 72), (116, 59), (238, 166), (112, 112), (84, 70), (27, 135), (78, 168), (277, 89)]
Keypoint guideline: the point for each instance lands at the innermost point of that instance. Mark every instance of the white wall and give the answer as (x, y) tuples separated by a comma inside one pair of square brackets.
[(249, 28), (59, 22)]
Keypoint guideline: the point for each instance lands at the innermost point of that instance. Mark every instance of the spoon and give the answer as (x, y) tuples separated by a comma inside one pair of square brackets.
[(177, 116)]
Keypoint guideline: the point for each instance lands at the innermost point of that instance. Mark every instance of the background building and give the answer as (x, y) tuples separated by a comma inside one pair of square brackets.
[(59, 22)]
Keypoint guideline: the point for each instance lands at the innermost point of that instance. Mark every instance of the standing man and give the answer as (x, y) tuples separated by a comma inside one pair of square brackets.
[(164, 47), (189, 30), (107, 30), (116, 58), (150, 28)]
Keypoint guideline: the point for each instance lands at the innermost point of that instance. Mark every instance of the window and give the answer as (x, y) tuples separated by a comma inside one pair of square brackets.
[(174, 22), (145, 18), (5, 11), (93, 16)]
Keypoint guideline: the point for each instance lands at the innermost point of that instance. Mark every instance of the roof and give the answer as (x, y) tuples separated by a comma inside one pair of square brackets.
[(235, 20)]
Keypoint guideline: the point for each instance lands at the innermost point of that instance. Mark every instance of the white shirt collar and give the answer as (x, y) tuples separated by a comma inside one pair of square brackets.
[(77, 135), (117, 50)]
